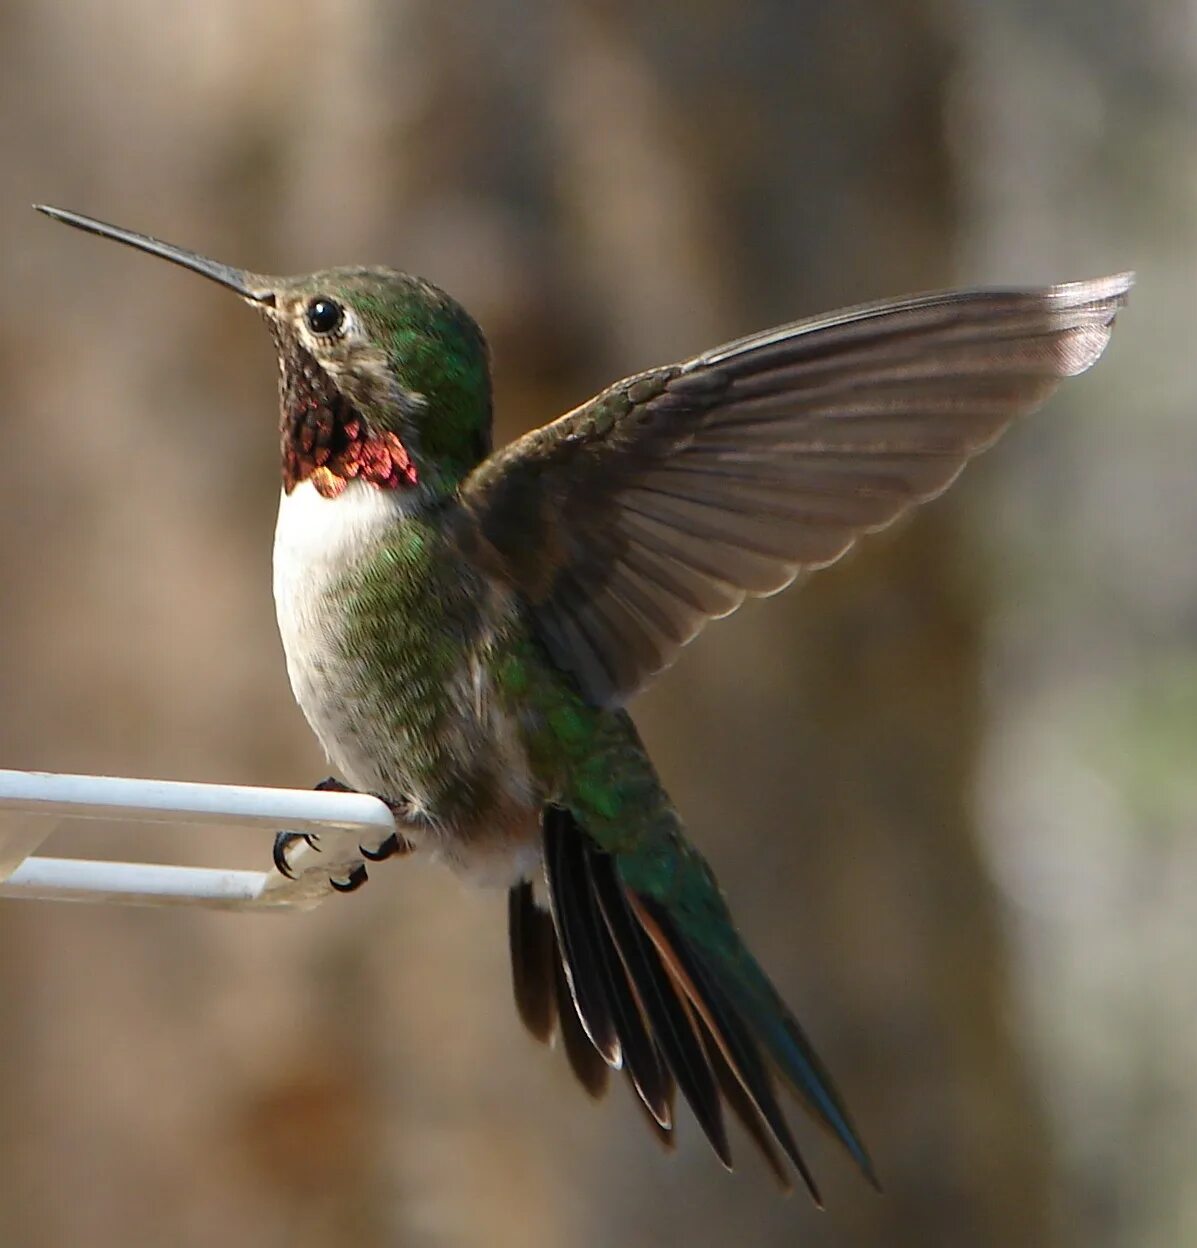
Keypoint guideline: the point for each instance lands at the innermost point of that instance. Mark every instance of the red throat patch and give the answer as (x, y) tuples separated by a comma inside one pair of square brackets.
[(326, 441), (379, 459)]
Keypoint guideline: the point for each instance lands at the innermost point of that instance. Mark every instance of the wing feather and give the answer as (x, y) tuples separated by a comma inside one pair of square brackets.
[(670, 497)]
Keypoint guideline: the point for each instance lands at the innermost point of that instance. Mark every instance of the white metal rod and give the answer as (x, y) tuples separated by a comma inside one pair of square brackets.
[(137, 883), (172, 801)]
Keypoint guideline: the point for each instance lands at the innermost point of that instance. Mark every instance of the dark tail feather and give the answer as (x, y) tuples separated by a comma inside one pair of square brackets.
[(631, 989), (751, 1016), (572, 909), (741, 1104), (741, 1055), (542, 994), (533, 962), (662, 1134), (665, 1009), (596, 973), (585, 1060), (752, 1000)]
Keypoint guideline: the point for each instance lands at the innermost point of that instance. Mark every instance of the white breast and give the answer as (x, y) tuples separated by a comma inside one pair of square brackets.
[(315, 541), (317, 538)]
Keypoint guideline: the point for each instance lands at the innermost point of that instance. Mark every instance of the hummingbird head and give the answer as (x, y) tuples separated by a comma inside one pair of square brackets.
[(382, 377)]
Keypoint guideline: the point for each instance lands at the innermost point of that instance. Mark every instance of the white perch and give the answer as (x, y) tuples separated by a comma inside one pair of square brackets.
[(34, 804)]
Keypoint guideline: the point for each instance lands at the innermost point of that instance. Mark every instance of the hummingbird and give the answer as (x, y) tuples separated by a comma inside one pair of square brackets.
[(464, 627)]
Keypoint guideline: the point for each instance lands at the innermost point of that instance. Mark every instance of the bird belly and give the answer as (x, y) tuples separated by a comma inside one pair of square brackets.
[(382, 743)]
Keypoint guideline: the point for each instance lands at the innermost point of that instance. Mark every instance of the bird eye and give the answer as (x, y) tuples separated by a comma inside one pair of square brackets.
[(324, 316)]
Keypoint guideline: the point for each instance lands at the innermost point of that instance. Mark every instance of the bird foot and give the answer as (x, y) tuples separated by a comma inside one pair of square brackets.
[(393, 846)]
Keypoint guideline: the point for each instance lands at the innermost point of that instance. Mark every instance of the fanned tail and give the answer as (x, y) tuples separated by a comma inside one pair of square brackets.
[(631, 990)]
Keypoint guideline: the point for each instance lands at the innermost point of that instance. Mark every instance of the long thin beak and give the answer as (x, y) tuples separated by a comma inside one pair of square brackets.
[(248, 285)]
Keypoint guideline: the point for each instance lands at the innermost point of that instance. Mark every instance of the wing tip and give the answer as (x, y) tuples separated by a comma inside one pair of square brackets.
[(1112, 290), (1087, 311)]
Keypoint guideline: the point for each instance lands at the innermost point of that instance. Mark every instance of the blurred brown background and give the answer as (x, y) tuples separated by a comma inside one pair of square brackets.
[(949, 785)]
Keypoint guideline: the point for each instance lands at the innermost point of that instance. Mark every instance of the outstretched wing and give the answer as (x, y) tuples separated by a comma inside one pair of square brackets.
[(665, 500)]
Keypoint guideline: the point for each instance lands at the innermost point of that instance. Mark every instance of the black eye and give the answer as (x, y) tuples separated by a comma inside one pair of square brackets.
[(324, 316)]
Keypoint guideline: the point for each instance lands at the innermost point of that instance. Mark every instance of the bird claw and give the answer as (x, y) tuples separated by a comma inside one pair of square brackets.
[(388, 849), (282, 843), (357, 877)]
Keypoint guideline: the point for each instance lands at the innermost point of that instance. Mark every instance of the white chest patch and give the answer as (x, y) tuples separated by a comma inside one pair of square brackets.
[(316, 540)]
